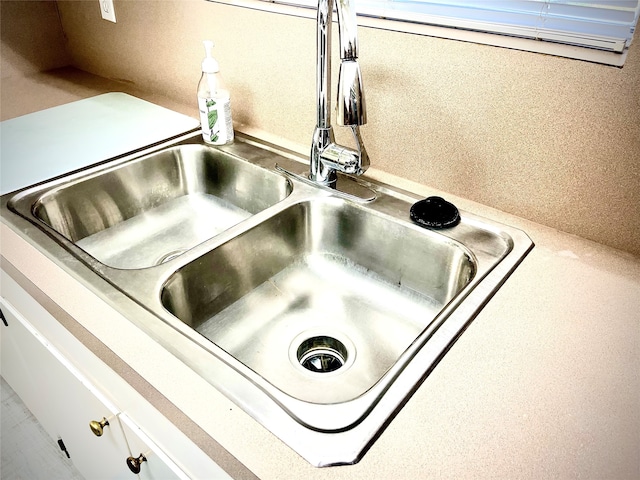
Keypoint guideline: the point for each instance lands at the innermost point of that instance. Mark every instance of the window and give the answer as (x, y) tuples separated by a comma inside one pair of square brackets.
[(594, 30)]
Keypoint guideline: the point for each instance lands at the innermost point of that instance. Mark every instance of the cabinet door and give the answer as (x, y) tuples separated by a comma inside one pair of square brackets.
[(19, 351), (61, 399)]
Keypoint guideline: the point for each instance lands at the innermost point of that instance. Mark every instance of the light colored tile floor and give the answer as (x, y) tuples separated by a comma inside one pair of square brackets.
[(28, 452)]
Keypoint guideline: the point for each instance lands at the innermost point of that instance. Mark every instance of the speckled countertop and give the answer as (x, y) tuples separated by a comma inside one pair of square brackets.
[(545, 383)]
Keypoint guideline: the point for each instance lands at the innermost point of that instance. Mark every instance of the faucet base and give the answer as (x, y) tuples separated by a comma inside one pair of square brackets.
[(345, 186)]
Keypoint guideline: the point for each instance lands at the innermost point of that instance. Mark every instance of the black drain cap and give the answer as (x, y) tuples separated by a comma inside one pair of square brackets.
[(435, 212)]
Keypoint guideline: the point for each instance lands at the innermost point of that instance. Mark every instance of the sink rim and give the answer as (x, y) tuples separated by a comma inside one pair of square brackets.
[(318, 448)]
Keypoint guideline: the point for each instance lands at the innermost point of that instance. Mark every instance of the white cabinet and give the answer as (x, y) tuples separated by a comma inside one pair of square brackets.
[(65, 400), (60, 400)]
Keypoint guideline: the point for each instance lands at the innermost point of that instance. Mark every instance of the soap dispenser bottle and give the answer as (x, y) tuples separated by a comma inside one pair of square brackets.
[(214, 102)]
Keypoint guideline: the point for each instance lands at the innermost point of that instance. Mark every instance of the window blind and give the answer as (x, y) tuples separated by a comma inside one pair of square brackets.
[(600, 24)]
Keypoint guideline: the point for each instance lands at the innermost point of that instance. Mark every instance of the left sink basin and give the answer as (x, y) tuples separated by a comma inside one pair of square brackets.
[(149, 210)]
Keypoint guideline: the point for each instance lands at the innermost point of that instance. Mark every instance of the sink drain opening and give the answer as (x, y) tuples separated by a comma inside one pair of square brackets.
[(322, 354)]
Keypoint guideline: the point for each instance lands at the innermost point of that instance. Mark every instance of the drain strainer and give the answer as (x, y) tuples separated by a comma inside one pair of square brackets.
[(322, 354)]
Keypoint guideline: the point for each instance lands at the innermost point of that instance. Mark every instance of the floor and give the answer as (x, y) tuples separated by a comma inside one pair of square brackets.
[(28, 452)]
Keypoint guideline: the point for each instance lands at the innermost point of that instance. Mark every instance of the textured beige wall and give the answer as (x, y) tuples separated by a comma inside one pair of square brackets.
[(32, 38), (553, 140)]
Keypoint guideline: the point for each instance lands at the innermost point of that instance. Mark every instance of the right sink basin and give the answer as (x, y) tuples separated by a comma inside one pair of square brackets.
[(322, 299)]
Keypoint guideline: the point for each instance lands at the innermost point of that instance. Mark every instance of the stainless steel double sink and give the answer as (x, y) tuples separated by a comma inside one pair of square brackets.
[(320, 314)]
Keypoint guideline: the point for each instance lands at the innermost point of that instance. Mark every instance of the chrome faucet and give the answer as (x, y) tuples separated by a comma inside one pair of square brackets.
[(327, 157)]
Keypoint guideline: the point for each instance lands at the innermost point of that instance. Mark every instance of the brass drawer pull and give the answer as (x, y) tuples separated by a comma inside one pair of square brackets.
[(98, 427), (134, 463)]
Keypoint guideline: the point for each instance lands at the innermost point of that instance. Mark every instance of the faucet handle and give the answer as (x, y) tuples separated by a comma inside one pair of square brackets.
[(351, 105), (345, 159)]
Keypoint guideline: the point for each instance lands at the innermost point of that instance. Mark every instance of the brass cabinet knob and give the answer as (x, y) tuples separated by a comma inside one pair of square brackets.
[(134, 463), (98, 427)]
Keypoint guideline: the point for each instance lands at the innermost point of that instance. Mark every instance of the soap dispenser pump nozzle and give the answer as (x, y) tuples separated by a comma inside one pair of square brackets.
[(209, 64)]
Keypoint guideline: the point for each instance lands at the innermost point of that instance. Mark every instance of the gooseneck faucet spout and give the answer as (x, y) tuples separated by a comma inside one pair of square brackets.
[(327, 157)]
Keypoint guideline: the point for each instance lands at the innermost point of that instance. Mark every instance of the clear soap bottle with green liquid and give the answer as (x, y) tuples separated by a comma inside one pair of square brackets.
[(214, 102)]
